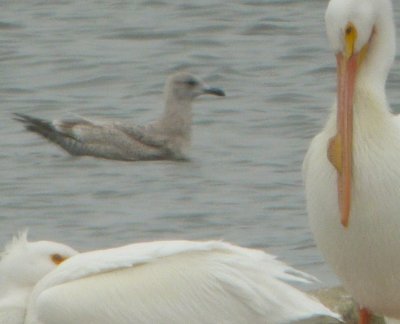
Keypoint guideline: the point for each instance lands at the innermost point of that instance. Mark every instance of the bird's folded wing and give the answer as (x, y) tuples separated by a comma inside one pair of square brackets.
[(142, 134), (174, 282)]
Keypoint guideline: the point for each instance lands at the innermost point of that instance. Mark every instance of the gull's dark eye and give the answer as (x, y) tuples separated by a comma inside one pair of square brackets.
[(191, 82)]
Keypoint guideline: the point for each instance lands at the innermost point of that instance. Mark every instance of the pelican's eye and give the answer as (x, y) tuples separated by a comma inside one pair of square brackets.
[(350, 39), (57, 258)]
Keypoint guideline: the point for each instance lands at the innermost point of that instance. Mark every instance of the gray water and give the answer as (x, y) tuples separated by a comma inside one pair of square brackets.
[(109, 59)]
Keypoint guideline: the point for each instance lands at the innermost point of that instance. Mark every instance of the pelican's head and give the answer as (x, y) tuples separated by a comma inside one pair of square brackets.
[(349, 24), (24, 263), (185, 86), (361, 33)]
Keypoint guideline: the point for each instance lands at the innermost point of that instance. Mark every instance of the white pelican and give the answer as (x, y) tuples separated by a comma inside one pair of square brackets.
[(352, 168), (22, 265), (166, 138), (168, 282)]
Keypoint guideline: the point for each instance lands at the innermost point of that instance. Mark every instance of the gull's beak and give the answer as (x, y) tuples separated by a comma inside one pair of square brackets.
[(214, 91), (340, 151)]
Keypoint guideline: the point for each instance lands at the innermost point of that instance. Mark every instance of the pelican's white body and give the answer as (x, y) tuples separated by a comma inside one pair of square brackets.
[(171, 282), (155, 282), (366, 255)]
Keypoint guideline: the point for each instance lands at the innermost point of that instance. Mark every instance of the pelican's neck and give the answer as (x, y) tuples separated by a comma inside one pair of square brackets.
[(15, 283), (370, 102), (374, 70), (177, 116), (12, 296), (372, 118)]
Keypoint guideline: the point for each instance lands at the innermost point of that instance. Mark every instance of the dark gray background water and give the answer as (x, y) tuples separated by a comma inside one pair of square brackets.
[(110, 59)]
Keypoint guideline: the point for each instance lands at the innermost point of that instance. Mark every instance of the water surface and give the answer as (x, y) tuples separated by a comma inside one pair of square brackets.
[(110, 59)]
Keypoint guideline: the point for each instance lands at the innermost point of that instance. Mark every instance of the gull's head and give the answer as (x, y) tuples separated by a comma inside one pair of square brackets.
[(185, 86), (361, 33), (24, 263)]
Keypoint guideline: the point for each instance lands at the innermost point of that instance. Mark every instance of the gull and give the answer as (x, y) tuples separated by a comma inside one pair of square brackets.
[(166, 138)]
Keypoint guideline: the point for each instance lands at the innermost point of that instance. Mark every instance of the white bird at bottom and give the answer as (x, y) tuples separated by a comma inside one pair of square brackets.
[(171, 282)]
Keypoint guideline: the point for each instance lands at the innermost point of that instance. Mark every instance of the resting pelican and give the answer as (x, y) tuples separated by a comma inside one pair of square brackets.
[(22, 265), (166, 282), (166, 138), (352, 168)]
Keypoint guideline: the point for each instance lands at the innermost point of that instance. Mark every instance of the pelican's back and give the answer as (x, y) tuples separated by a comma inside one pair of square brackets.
[(214, 284)]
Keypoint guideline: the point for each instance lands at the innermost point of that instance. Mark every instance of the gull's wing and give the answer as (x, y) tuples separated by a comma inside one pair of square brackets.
[(142, 134), (112, 140), (172, 282)]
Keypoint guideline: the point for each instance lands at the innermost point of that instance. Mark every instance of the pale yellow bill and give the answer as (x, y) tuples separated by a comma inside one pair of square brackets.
[(340, 150)]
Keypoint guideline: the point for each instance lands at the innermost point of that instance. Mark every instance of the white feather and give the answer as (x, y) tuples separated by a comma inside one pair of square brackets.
[(172, 282)]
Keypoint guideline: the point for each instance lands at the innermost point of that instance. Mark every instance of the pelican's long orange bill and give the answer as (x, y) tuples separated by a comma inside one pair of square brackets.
[(347, 72)]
